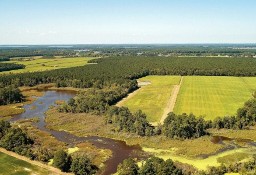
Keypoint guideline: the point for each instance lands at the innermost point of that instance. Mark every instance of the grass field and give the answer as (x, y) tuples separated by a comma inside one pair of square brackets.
[(12, 166), (201, 95), (152, 99), (214, 96), (41, 64)]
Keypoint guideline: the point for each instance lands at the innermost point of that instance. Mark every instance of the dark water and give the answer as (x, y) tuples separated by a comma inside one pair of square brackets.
[(221, 139), (120, 150)]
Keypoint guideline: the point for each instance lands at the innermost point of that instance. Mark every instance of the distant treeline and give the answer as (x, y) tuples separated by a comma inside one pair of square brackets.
[(10, 52), (4, 59), (119, 70), (10, 66), (149, 50)]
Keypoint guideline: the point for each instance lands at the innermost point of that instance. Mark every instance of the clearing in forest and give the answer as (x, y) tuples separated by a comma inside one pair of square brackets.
[(152, 98), (43, 64), (213, 96)]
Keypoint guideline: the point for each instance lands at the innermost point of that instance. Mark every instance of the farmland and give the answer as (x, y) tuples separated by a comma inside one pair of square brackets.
[(152, 99), (42, 64), (214, 96), (201, 95)]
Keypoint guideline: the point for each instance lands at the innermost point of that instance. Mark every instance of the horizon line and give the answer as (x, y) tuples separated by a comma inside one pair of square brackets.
[(124, 44)]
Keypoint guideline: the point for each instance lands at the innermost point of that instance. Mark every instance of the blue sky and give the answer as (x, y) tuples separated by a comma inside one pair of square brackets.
[(127, 21)]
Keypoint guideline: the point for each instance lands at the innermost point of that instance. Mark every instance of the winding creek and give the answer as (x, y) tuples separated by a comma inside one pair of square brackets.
[(120, 150)]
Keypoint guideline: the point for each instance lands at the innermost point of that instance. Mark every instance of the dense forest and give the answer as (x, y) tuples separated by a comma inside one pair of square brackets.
[(10, 66), (10, 52), (119, 70)]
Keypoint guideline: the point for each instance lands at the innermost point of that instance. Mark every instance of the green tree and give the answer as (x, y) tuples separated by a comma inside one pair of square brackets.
[(81, 165), (61, 160), (128, 167), (4, 126), (16, 140)]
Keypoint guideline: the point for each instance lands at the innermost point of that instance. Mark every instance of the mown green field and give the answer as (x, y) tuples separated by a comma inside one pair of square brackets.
[(209, 96), (152, 99), (41, 64), (12, 166), (213, 96)]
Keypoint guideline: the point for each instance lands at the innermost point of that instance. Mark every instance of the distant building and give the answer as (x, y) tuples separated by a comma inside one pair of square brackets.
[(254, 56)]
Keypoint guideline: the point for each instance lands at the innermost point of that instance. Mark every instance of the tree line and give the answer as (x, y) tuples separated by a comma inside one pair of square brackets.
[(97, 100), (10, 66), (4, 59), (118, 69), (182, 126)]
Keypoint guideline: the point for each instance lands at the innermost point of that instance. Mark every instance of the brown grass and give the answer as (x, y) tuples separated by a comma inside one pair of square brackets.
[(98, 156), (78, 124), (41, 138)]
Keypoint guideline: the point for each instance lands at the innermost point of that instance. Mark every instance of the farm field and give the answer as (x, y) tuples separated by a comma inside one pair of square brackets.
[(152, 99), (42, 64), (213, 96), (13, 166), (201, 95)]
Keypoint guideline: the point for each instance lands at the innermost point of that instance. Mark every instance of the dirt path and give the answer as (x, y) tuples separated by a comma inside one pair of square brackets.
[(54, 171), (171, 101)]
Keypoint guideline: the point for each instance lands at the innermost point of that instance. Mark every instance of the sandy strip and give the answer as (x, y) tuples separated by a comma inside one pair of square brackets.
[(53, 170), (171, 102)]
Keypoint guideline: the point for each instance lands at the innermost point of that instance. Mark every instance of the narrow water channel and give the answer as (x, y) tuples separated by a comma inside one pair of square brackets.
[(120, 150)]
